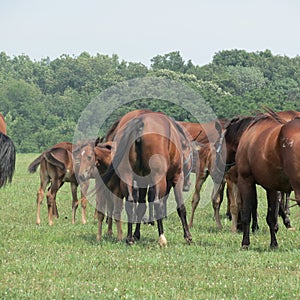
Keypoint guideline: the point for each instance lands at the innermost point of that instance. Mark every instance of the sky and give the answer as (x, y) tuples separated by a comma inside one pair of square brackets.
[(139, 30)]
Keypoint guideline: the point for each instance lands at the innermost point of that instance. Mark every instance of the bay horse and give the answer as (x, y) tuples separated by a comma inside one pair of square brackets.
[(268, 155), (149, 152), (233, 133), (206, 135), (57, 167), (7, 155)]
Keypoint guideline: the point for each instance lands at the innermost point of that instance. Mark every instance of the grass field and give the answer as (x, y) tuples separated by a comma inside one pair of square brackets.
[(66, 262)]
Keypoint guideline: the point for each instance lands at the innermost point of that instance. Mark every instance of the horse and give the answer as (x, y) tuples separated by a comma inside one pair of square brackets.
[(57, 167), (268, 155), (149, 152), (7, 155), (97, 155), (232, 134), (206, 135)]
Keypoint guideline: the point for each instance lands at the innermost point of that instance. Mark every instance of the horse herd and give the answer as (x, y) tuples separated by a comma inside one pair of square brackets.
[(145, 154)]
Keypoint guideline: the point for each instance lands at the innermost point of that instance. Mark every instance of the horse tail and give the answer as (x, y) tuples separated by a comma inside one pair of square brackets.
[(274, 115), (34, 165), (7, 159), (50, 158), (130, 135)]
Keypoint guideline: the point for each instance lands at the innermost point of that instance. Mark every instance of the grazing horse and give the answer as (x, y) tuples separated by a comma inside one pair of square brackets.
[(268, 155), (149, 152), (206, 135), (7, 155), (56, 167)]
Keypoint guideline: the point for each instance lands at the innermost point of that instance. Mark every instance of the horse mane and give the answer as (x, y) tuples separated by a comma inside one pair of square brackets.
[(236, 127)]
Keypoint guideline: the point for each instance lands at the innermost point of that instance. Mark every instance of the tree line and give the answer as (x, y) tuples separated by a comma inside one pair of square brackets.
[(43, 100)]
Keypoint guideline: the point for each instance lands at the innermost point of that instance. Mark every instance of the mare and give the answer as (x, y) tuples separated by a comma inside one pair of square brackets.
[(206, 135), (149, 151), (57, 167), (232, 135), (7, 155), (269, 155)]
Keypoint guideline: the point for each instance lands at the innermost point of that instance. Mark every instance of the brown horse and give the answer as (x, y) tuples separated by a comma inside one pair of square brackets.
[(7, 155), (56, 167), (268, 155), (206, 135), (149, 152), (98, 155), (233, 133)]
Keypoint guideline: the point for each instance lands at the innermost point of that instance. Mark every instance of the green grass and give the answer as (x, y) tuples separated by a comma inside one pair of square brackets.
[(65, 261)]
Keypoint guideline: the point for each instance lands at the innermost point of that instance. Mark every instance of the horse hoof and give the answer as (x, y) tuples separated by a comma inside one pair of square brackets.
[(162, 241), (130, 242), (291, 229), (245, 247), (189, 240)]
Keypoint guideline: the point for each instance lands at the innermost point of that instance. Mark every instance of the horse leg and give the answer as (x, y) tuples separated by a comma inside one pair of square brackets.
[(118, 207), (200, 179), (74, 200), (248, 195), (217, 199), (141, 209), (151, 197), (181, 210), (254, 226), (272, 215), (232, 194), (51, 195), (129, 207), (83, 201), (282, 212), (40, 195), (100, 222)]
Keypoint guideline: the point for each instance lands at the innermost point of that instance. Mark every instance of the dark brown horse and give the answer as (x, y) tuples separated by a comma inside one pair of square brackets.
[(149, 152), (57, 167), (268, 155), (7, 155)]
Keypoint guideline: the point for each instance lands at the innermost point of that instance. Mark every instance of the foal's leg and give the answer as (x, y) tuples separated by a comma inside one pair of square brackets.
[(51, 195), (84, 188), (272, 215), (74, 200), (40, 195)]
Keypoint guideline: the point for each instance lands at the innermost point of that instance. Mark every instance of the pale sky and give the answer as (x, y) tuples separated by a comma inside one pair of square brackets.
[(139, 30)]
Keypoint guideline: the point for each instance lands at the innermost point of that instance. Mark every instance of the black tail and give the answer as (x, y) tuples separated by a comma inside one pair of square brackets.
[(7, 159), (131, 135), (34, 165)]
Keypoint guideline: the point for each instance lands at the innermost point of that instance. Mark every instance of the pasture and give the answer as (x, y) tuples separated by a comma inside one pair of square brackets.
[(65, 261)]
